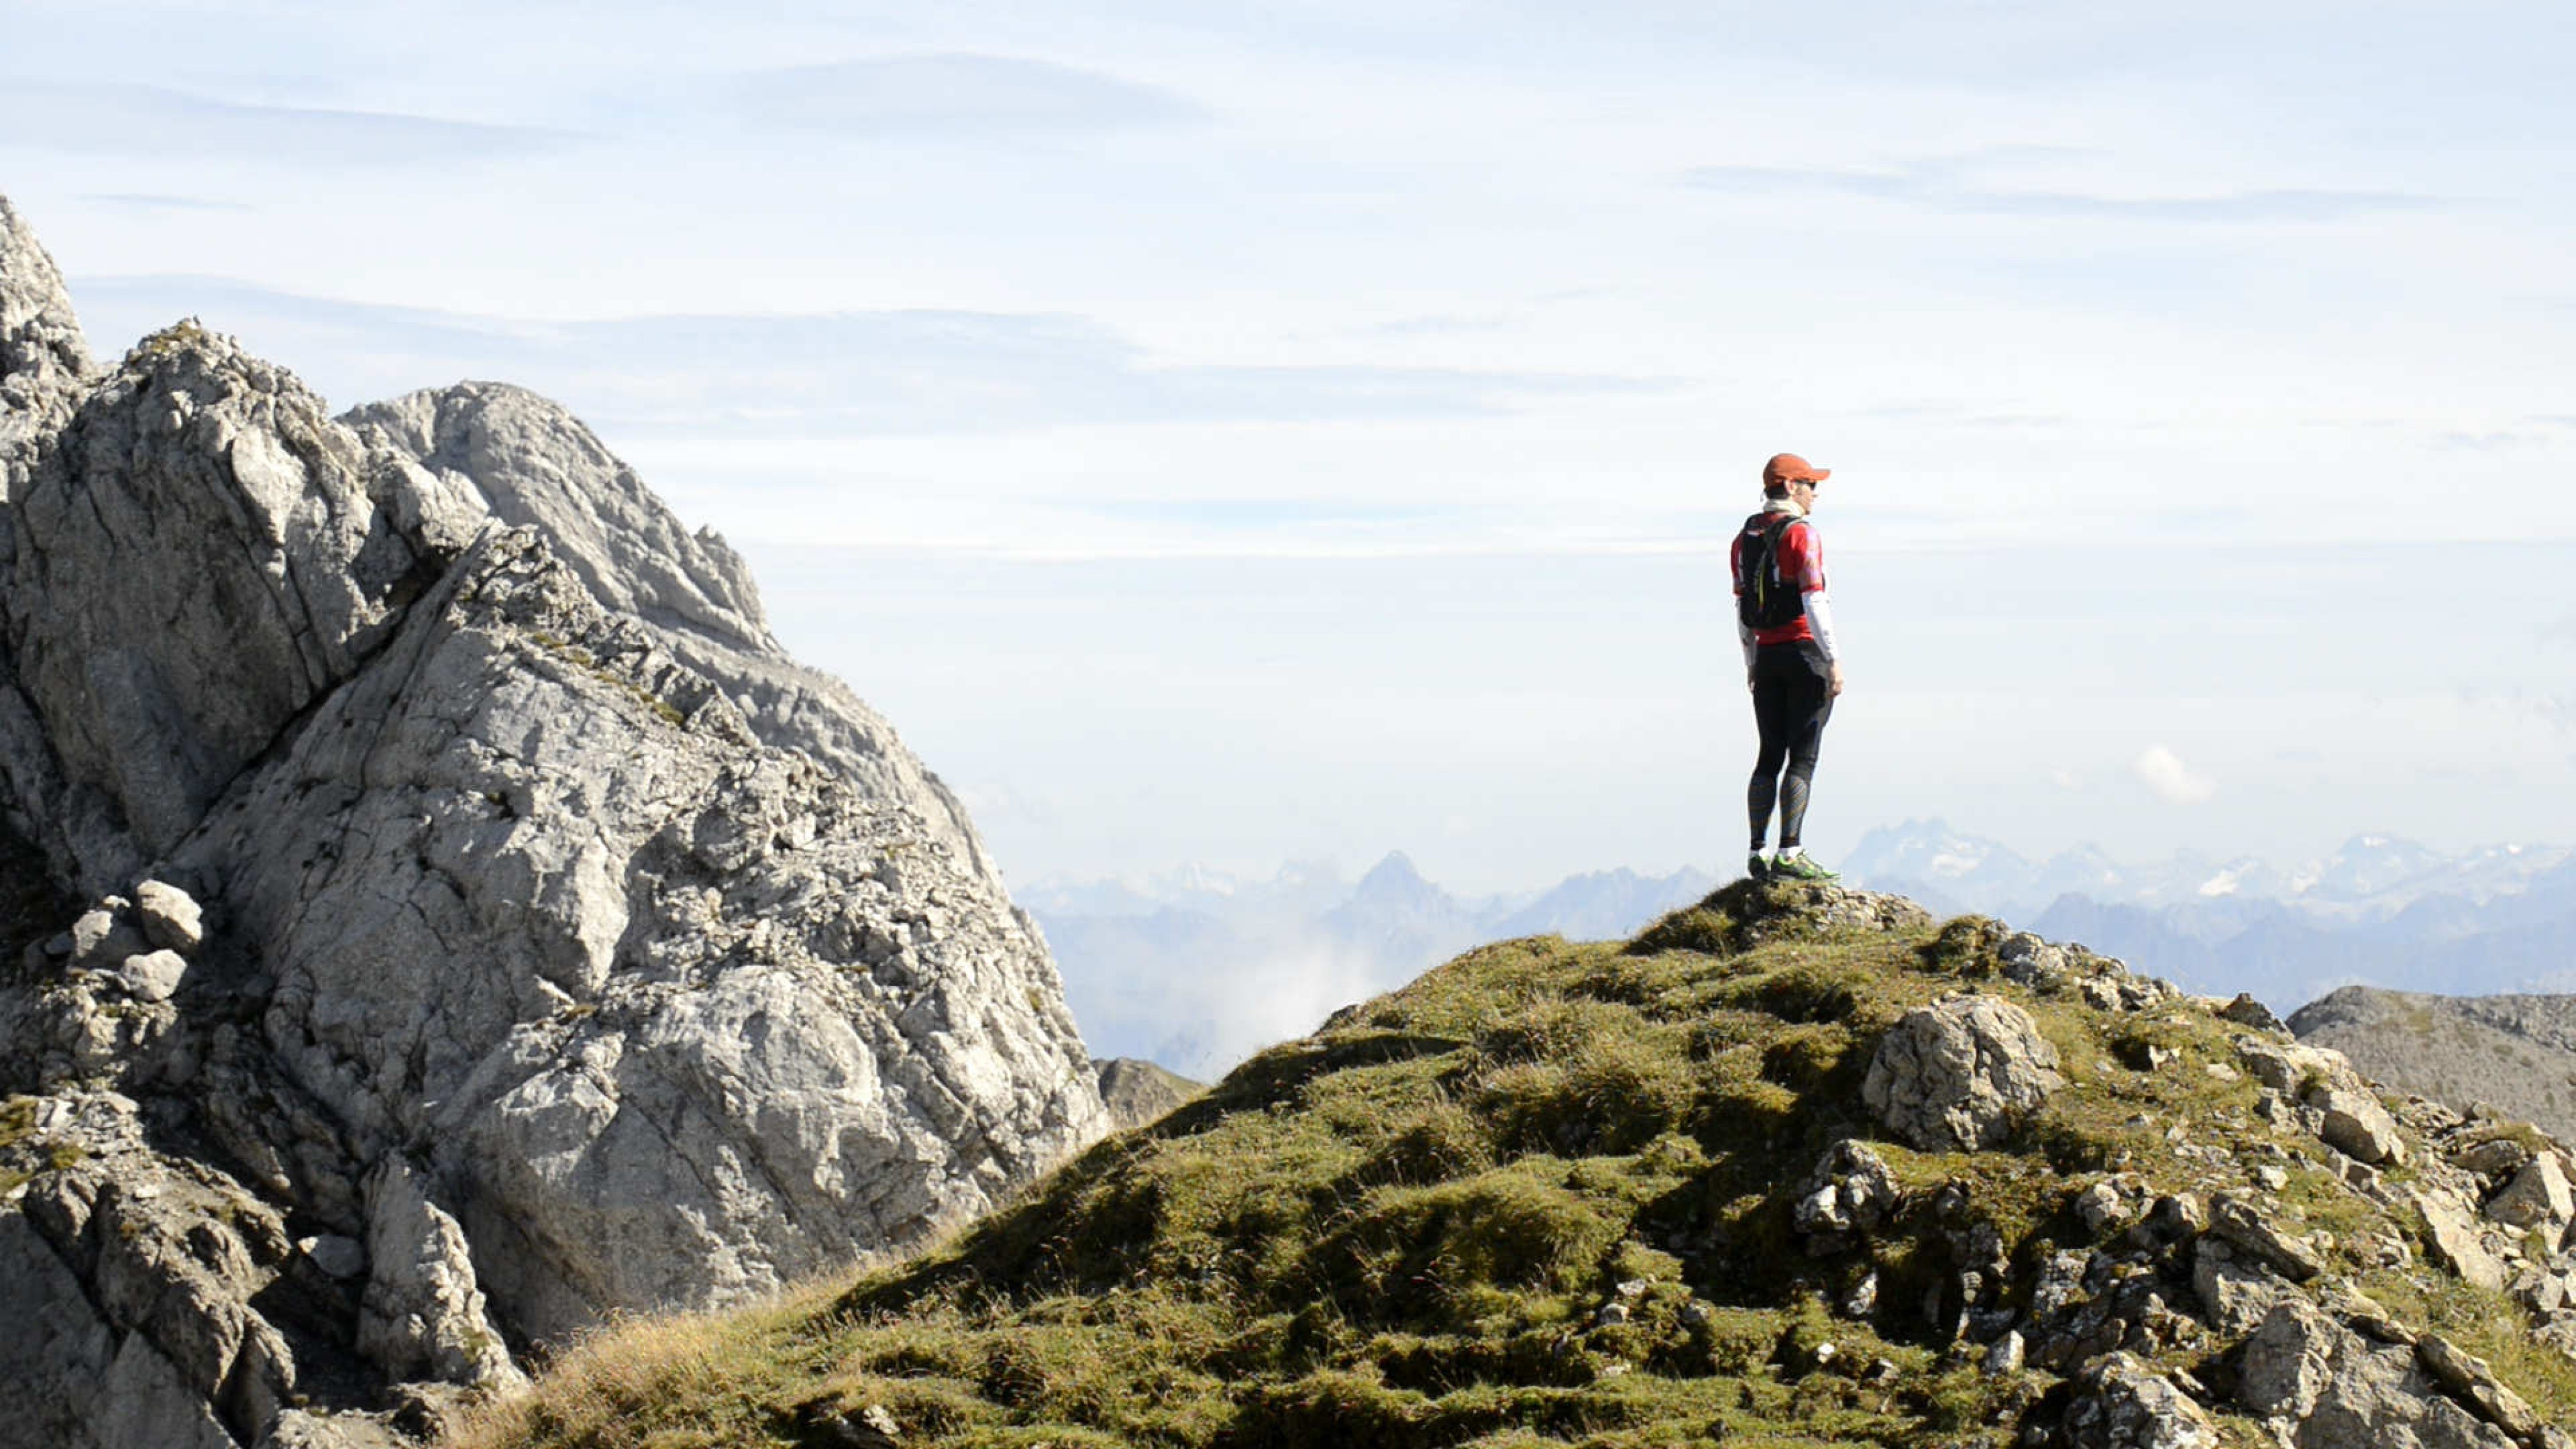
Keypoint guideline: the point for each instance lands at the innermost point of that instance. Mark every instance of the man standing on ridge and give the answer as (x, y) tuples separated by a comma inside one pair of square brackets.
[(1787, 628)]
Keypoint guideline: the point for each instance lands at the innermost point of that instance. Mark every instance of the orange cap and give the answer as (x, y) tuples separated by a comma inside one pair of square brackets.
[(1790, 468)]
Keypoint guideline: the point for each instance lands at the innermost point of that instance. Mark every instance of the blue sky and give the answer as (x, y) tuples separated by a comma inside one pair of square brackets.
[(1380, 325)]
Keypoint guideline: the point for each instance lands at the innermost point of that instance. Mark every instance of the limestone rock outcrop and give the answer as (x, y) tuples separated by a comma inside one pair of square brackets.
[(478, 893), (2328, 1387), (1959, 1073)]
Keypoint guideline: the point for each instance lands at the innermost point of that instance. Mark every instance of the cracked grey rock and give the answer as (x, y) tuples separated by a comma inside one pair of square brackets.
[(1852, 1189), (669, 969), (2030, 961), (2121, 1403), (2236, 1291), (134, 1278), (2249, 1231), (424, 1316), (2453, 1235), (2474, 1384), (2323, 1386), (196, 559), (711, 1017), (1960, 1073)]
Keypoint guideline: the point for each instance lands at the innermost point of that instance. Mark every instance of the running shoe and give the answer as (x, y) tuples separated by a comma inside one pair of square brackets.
[(1757, 866), (1801, 866)]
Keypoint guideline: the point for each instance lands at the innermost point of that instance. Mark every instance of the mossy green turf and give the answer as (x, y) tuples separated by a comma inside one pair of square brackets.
[(1397, 1232)]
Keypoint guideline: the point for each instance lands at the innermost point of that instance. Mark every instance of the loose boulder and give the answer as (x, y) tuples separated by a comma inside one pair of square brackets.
[(1958, 1074), (2538, 1197), (2357, 1126), (169, 918)]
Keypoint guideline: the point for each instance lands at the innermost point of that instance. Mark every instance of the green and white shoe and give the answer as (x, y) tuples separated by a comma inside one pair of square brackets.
[(1801, 866), (1757, 866)]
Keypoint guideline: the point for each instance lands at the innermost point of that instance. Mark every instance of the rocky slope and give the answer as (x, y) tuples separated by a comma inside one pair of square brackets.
[(2517, 1053), (448, 915), (1796, 1166)]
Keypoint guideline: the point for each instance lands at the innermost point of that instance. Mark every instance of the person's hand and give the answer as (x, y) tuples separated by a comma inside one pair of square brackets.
[(1834, 681), (1750, 683)]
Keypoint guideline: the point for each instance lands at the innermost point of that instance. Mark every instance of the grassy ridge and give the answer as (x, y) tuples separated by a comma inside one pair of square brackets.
[(1541, 1195)]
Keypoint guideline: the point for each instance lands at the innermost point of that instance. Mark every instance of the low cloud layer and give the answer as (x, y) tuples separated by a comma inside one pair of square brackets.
[(911, 371)]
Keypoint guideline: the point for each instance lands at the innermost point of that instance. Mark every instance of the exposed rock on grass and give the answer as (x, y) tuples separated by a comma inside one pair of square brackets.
[(1960, 1073), (1633, 1195)]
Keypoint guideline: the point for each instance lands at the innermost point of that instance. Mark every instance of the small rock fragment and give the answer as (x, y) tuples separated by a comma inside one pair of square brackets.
[(2101, 1207), (2029, 961), (153, 975), (170, 918), (102, 937), (1851, 1189), (1862, 1300)]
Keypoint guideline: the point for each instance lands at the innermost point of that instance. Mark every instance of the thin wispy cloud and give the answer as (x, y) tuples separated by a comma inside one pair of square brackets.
[(1952, 415), (840, 374), (954, 94), (144, 201), (2498, 441), (1936, 185), (151, 121)]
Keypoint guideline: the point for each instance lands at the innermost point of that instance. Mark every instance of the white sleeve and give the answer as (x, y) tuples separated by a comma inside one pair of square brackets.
[(1820, 617), (1744, 636)]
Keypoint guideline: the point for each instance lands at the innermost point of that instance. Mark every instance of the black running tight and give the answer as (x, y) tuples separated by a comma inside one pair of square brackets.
[(1790, 706)]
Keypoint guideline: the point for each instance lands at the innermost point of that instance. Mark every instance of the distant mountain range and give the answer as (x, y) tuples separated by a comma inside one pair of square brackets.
[(2380, 910), (1196, 969)]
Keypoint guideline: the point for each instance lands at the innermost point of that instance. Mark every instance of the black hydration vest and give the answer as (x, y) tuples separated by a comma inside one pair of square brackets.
[(1762, 599)]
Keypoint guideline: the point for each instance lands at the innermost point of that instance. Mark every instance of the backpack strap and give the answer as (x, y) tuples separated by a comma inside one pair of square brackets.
[(1769, 565)]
